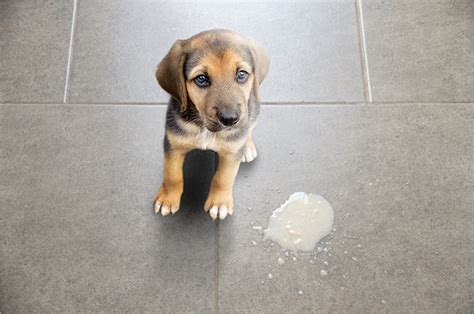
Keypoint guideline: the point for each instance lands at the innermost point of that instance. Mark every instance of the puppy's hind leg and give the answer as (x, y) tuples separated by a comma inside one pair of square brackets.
[(250, 152)]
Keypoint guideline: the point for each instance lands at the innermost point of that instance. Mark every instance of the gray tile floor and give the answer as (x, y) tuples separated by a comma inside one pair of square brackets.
[(385, 134)]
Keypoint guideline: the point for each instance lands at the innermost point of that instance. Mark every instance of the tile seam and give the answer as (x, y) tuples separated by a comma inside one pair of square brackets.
[(265, 104), (71, 44), (216, 275), (363, 51)]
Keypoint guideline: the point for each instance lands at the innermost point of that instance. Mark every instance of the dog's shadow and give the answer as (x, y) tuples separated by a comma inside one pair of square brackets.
[(199, 168)]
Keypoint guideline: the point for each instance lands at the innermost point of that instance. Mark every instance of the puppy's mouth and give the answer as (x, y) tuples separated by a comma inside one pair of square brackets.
[(214, 126)]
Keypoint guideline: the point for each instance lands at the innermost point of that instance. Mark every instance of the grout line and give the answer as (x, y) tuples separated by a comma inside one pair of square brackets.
[(69, 58), (118, 103), (363, 51), (216, 286), (265, 104)]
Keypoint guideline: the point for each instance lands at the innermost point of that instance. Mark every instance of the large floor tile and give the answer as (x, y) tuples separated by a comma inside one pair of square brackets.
[(34, 46), (420, 50), (77, 229), (313, 46), (400, 179)]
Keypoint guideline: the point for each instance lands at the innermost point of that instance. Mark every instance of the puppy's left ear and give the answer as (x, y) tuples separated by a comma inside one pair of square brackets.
[(261, 64), (170, 73)]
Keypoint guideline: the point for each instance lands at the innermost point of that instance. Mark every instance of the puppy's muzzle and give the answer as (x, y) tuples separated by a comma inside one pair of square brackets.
[(228, 117)]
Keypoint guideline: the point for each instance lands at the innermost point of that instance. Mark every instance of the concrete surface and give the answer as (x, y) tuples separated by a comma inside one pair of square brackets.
[(314, 47), (34, 41), (420, 50), (78, 178)]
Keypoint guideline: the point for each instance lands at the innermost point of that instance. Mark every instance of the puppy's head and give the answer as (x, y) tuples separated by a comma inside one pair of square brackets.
[(219, 72)]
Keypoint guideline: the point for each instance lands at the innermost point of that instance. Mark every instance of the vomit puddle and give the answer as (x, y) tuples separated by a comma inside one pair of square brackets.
[(301, 222)]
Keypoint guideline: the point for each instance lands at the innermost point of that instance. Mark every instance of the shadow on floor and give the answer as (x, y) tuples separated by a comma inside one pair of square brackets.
[(199, 167)]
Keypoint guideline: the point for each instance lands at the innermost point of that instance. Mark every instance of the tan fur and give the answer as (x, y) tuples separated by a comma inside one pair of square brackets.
[(171, 189), (221, 55), (222, 69)]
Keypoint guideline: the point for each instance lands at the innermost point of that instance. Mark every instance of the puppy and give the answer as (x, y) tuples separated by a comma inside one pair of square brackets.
[(213, 79)]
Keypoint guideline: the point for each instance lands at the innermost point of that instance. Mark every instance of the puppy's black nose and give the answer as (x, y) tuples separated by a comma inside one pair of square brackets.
[(228, 117)]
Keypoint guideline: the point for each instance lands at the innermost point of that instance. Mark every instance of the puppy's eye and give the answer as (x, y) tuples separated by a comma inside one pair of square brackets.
[(202, 81), (242, 76)]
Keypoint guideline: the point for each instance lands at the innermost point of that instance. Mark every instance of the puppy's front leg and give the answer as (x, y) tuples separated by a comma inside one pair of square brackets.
[(169, 196), (220, 201)]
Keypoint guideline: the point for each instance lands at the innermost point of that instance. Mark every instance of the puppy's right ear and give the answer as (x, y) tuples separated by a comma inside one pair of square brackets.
[(170, 74)]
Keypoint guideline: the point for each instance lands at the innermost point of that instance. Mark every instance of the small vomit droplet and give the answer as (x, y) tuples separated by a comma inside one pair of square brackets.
[(324, 272), (300, 292), (281, 261)]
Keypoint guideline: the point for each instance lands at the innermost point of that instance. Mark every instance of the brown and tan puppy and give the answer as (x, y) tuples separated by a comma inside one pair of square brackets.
[(213, 79)]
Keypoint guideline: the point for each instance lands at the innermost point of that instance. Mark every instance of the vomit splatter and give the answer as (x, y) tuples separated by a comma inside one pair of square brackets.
[(301, 222)]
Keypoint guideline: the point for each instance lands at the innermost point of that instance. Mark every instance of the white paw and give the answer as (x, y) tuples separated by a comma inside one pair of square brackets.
[(250, 153), (219, 211), (165, 210)]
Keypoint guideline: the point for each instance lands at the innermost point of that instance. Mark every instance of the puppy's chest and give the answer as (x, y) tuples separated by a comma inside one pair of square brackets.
[(208, 140)]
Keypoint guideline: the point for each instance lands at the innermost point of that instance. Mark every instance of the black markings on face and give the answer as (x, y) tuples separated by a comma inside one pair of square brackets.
[(171, 123), (166, 144), (174, 114)]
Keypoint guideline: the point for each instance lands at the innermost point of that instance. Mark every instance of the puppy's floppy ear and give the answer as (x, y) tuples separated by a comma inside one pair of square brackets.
[(170, 73), (261, 64)]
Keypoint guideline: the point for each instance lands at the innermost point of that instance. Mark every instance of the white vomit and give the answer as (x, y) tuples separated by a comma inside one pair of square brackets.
[(300, 223)]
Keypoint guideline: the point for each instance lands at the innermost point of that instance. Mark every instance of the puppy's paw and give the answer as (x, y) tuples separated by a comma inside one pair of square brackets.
[(250, 152), (219, 205), (167, 202)]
